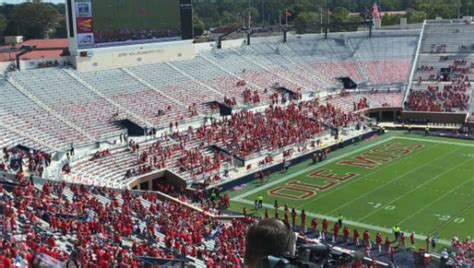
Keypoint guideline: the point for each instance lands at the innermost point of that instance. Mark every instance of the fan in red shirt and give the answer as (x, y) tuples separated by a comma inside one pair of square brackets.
[(314, 225), (293, 217), (355, 238), (366, 238), (412, 239), (345, 233), (303, 219), (325, 229), (335, 229), (387, 245), (378, 241), (286, 216), (392, 255), (402, 240)]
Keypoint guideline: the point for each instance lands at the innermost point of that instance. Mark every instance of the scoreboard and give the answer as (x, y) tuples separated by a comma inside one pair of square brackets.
[(107, 23)]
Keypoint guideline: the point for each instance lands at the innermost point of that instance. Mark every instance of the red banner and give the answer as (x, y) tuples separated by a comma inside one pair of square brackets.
[(84, 25)]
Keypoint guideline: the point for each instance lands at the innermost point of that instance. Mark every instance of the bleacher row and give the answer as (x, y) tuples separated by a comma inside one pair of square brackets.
[(445, 69), (229, 134), (108, 228), (60, 106)]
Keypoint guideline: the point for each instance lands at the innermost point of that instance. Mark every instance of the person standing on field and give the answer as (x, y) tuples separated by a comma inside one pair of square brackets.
[(396, 232), (293, 217), (428, 243), (402, 240), (378, 241), (340, 218), (325, 229), (346, 233), (355, 237), (314, 225)]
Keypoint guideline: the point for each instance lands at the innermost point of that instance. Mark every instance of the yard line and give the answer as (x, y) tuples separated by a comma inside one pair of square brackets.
[(349, 222), (452, 218), (388, 182), (417, 187), (436, 141), (436, 200), (302, 171), (348, 183)]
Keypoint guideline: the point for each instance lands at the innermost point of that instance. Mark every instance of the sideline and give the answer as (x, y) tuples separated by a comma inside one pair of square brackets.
[(436, 141), (352, 223)]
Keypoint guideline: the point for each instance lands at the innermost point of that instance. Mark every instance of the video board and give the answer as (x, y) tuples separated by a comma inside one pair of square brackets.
[(105, 23)]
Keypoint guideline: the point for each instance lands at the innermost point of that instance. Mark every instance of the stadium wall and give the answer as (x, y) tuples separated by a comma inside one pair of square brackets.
[(434, 117), (118, 57), (276, 167)]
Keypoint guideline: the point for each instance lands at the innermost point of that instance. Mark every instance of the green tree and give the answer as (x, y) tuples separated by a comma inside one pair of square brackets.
[(34, 19), (415, 16), (198, 26), (229, 19), (304, 20), (390, 19), (340, 14), (253, 13), (60, 30), (3, 24), (437, 8)]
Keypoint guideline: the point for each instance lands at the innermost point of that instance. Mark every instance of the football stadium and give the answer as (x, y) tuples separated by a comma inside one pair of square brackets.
[(158, 134)]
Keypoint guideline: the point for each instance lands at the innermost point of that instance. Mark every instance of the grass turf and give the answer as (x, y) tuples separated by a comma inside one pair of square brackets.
[(427, 191)]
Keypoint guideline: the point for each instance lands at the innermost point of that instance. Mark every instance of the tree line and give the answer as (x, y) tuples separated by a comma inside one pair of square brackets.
[(37, 19)]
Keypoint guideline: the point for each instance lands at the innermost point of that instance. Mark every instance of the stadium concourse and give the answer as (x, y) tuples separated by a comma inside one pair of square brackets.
[(67, 127)]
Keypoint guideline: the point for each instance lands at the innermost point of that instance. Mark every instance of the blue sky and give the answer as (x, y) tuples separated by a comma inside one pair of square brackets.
[(21, 1)]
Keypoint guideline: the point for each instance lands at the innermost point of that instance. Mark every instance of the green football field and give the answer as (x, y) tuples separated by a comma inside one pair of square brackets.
[(423, 184), (115, 15)]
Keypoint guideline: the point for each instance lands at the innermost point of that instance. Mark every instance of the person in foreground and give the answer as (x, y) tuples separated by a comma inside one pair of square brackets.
[(268, 237)]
